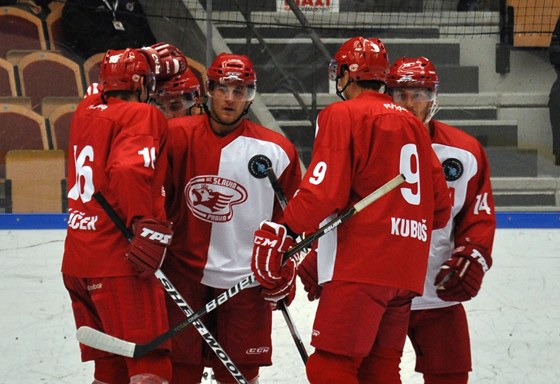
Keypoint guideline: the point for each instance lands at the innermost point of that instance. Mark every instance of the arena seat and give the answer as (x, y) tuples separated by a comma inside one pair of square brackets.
[(35, 181), (8, 85), (20, 29), (16, 100), (59, 125), (200, 71), (44, 74), (20, 128), (91, 68), (54, 26), (534, 22), (51, 103)]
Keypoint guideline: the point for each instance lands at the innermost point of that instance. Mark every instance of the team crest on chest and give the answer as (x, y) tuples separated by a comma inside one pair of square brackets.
[(211, 198), (452, 169), (258, 165)]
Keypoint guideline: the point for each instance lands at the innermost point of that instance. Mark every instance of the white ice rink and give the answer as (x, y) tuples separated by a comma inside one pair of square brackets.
[(515, 320)]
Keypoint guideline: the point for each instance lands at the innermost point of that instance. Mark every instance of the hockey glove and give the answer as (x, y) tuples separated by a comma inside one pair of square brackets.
[(460, 277), (165, 60), (307, 272), (286, 288), (149, 245), (270, 242)]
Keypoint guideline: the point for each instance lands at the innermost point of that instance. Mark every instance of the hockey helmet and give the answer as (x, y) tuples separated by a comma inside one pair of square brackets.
[(228, 72), (413, 72), (230, 68), (183, 83), (123, 70), (364, 59)]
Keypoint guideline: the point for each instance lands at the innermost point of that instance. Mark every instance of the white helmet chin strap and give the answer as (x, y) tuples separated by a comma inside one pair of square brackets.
[(432, 111)]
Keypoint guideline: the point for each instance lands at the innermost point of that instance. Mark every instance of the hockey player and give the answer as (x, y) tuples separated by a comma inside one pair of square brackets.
[(117, 147), (371, 266), (460, 253), (178, 95), (217, 194)]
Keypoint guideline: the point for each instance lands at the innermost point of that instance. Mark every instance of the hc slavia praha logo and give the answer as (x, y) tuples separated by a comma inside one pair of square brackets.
[(211, 198)]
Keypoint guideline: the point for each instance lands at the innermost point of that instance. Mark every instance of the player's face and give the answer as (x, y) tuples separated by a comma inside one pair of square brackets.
[(416, 100), (175, 106), (229, 101), (341, 85)]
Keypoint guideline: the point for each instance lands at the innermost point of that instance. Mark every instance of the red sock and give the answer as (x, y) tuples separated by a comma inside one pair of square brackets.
[(446, 378), (381, 367), (327, 368)]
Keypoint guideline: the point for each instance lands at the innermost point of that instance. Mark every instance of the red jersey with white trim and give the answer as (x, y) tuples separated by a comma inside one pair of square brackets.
[(467, 173), (360, 145), (117, 149), (218, 194)]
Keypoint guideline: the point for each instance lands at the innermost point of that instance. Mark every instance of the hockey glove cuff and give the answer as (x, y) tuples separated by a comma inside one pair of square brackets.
[(271, 240), (460, 277), (286, 287), (149, 245)]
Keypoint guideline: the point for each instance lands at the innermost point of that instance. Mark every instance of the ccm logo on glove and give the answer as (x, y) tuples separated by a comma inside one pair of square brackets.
[(265, 242)]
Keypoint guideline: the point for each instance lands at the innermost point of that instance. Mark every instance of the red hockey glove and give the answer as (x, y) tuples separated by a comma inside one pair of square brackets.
[(307, 272), (286, 288), (148, 247), (270, 242), (165, 60), (460, 277)]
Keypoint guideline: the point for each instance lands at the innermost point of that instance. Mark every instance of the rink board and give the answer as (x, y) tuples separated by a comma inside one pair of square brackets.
[(60, 220)]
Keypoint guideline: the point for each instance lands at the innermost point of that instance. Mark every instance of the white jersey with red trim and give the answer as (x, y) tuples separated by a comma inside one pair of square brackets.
[(473, 219), (218, 194)]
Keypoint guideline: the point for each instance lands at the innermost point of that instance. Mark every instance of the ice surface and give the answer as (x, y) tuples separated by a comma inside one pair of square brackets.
[(514, 320)]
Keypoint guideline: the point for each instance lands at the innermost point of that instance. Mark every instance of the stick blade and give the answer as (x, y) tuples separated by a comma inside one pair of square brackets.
[(103, 342)]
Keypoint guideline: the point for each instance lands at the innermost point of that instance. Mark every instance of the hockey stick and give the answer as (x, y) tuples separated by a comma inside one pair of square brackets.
[(142, 349), (99, 340), (281, 303)]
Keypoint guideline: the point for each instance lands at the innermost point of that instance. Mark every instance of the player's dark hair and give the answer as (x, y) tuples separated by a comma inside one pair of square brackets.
[(370, 84)]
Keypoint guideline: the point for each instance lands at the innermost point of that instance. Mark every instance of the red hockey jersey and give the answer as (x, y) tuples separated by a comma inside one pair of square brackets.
[(117, 149), (218, 194), (360, 145)]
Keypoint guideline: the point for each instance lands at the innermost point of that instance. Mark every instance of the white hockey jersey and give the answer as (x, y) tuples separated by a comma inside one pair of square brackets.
[(473, 219), (218, 194)]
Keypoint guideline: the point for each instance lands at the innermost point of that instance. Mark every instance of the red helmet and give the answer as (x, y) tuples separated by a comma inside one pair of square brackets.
[(413, 72), (191, 81), (228, 67), (364, 59), (185, 82), (123, 70)]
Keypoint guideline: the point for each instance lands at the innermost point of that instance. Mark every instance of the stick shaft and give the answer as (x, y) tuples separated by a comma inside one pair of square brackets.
[(283, 201), (142, 349), (175, 295), (359, 206)]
